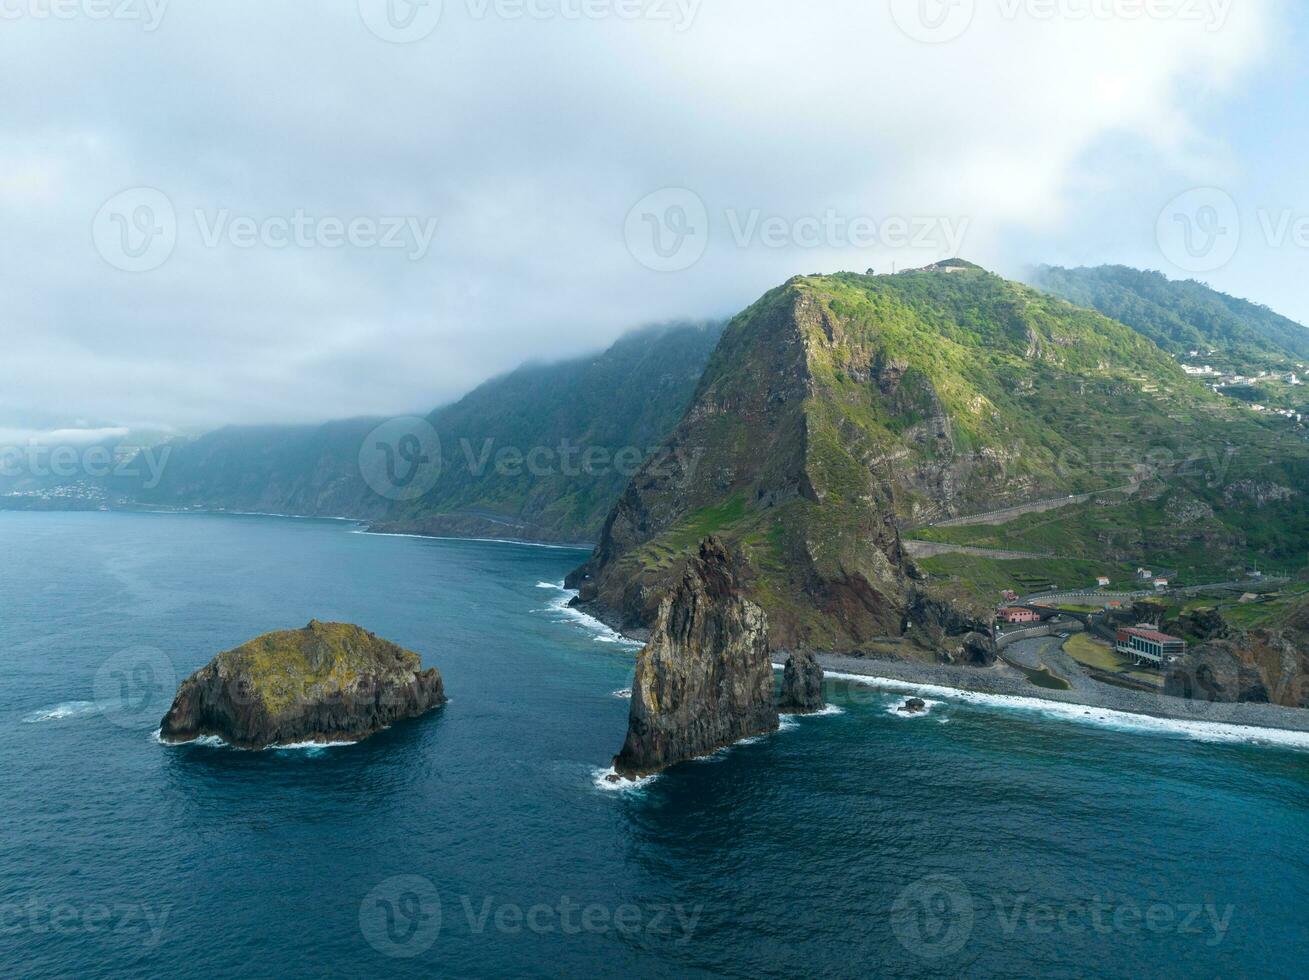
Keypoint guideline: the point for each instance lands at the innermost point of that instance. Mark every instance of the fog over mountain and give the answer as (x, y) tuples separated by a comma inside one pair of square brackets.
[(250, 212)]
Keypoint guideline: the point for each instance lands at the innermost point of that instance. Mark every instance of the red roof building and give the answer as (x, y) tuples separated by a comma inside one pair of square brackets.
[(1017, 614), (1147, 645)]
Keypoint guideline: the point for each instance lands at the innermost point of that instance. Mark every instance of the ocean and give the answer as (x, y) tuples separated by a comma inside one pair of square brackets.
[(982, 839)]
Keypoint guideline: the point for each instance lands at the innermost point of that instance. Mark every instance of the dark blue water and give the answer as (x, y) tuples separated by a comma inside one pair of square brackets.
[(974, 841)]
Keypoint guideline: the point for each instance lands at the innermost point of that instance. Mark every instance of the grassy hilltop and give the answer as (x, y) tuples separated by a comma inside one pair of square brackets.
[(842, 412)]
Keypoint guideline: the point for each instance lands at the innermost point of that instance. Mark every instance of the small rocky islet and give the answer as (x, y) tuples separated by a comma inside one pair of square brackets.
[(802, 685), (327, 682)]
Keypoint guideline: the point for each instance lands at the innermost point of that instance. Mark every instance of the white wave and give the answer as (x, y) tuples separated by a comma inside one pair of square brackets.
[(895, 709), (452, 537), (601, 780), (209, 741), (69, 709), (625, 694), (567, 614), (217, 742), (262, 513), (1204, 731), (826, 711), (786, 723)]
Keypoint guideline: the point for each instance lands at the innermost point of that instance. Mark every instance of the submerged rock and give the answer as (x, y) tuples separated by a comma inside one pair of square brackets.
[(328, 682), (705, 679), (802, 685)]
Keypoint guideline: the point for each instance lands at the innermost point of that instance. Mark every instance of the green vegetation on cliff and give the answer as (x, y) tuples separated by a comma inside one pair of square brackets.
[(621, 401), (840, 409)]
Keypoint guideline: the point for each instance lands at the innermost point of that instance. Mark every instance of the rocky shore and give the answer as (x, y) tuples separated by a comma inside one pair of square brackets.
[(1004, 680)]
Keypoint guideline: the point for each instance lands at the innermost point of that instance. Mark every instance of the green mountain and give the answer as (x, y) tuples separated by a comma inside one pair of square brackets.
[(581, 430), (1183, 316), (616, 405), (304, 470), (841, 412)]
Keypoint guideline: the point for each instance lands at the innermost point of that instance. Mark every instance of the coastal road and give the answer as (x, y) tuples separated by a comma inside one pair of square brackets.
[(929, 549), (1007, 514)]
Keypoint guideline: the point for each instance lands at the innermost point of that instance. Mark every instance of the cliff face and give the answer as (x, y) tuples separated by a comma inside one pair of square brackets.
[(1261, 666), (705, 679), (329, 682), (1267, 666), (752, 462), (630, 395), (839, 409)]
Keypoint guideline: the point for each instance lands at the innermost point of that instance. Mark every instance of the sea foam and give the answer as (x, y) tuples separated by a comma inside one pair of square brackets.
[(60, 712), (216, 742), (567, 614), (1203, 731), (600, 777)]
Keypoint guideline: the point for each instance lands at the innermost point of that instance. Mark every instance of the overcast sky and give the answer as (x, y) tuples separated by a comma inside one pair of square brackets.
[(293, 210)]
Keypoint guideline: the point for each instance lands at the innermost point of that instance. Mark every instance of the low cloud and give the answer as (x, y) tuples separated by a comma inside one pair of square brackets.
[(507, 153)]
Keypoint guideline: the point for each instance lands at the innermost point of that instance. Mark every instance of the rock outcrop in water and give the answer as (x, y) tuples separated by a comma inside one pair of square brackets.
[(705, 679), (328, 682), (802, 685)]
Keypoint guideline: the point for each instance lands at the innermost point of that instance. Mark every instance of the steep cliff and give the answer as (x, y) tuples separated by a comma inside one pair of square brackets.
[(328, 682), (839, 408), (1265, 665), (538, 454), (705, 679)]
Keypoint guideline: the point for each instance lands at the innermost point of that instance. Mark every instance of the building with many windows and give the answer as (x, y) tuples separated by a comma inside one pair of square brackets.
[(1149, 646)]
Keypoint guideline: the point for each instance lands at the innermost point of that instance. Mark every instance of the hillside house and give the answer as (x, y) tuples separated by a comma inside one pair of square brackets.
[(1017, 614)]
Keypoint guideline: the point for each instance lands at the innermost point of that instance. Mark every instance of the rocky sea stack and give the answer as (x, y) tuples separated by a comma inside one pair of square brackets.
[(705, 679), (328, 682), (802, 685)]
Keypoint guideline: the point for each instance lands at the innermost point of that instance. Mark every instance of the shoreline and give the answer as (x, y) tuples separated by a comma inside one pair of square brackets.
[(365, 524), (1005, 682)]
